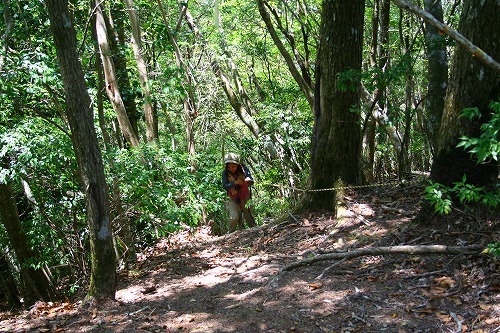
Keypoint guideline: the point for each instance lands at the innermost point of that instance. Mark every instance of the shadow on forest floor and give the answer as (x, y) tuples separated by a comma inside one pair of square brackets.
[(196, 282)]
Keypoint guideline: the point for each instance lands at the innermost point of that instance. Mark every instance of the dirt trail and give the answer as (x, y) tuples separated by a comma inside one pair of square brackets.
[(197, 282)]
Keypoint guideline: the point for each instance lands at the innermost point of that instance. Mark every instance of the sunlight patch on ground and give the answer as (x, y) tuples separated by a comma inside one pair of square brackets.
[(242, 296), (128, 295)]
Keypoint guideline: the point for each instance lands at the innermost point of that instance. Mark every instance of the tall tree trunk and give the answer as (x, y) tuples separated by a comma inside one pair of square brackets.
[(369, 127), (9, 27), (437, 72), (88, 156), (403, 158), (121, 224), (150, 115), (36, 282), (472, 84), (336, 134), (189, 101), (118, 43), (112, 88)]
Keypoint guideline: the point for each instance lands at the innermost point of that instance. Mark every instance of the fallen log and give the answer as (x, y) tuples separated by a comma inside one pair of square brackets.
[(399, 249)]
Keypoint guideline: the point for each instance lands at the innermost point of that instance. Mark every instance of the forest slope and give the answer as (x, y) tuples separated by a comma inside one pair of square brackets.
[(197, 282)]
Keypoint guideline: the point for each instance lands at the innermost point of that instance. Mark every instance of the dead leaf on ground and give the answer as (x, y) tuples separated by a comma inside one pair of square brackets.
[(437, 290), (427, 310), (484, 306), (444, 317), (315, 285), (445, 282), (492, 321)]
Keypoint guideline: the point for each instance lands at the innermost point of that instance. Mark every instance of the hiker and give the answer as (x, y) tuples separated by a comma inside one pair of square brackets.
[(236, 180)]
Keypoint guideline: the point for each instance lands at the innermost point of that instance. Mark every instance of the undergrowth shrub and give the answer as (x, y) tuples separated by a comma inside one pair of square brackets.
[(485, 148)]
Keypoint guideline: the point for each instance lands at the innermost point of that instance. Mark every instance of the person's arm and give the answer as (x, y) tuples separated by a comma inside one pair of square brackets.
[(248, 176), (225, 181)]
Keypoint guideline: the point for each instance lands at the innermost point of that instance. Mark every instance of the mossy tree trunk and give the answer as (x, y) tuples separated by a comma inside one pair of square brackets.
[(36, 284), (471, 84), (336, 140), (88, 154)]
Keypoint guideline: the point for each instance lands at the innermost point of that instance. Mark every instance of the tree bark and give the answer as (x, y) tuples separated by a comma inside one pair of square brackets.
[(437, 73), (36, 282), (121, 223), (336, 141), (118, 43), (88, 156), (471, 84), (8, 283), (150, 115), (111, 80)]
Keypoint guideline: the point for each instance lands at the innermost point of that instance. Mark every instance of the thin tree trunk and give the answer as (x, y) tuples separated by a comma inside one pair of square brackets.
[(112, 89), (304, 82), (437, 73), (225, 83), (370, 126), (88, 156), (121, 223), (483, 56), (403, 158), (115, 18), (150, 116), (9, 27), (189, 102)]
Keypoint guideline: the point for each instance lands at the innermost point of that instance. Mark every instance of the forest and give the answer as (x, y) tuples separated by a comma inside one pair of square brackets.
[(115, 117)]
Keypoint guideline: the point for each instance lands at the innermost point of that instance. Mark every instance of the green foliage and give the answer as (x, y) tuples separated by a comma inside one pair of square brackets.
[(158, 189), (493, 249), (42, 157), (487, 146), (439, 197), (468, 193)]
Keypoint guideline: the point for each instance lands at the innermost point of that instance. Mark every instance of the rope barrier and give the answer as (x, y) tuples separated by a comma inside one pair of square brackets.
[(342, 187)]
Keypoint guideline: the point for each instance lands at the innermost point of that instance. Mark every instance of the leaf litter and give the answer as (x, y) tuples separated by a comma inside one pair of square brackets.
[(194, 281)]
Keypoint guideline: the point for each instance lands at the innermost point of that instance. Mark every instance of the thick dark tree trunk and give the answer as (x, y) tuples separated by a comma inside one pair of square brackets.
[(88, 155), (336, 134), (472, 84), (8, 283), (36, 283)]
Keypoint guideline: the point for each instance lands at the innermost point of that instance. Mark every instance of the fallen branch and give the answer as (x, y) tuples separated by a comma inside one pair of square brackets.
[(402, 249)]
